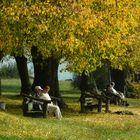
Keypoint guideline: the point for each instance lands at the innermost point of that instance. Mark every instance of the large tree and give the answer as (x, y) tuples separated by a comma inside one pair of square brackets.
[(84, 33)]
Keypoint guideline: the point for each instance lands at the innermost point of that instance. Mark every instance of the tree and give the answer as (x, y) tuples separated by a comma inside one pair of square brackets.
[(23, 73), (97, 30), (84, 33)]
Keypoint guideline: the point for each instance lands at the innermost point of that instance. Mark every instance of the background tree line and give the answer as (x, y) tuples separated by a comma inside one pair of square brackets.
[(9, 71)]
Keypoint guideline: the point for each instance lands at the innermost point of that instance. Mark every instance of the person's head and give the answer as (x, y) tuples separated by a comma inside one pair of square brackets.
[(38, 89), (112, 84), (46, 88)]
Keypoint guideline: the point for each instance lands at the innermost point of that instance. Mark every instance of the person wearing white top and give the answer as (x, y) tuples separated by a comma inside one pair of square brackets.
[(112, 84), (51, 107), (121, 95)]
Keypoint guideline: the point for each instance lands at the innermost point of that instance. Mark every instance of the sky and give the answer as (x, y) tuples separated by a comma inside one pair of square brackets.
[(64, 75)]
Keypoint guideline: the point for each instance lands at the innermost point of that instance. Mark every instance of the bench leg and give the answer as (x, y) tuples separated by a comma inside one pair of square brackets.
[(44, 110), (99, 105), (107, 105)]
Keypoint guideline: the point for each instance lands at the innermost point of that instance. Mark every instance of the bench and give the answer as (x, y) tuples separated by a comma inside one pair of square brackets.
[(39, 106), (90, 101)]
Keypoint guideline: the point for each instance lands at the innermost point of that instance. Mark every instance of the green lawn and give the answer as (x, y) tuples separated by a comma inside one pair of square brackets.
[(73, 126)]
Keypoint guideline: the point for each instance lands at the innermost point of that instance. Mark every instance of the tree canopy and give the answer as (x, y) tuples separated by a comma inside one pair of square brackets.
[(85, 33)]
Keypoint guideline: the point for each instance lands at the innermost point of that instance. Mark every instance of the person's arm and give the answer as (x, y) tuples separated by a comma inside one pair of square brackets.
[(114, 91)]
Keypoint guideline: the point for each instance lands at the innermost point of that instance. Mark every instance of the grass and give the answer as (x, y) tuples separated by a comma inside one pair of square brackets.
[(73, 126)]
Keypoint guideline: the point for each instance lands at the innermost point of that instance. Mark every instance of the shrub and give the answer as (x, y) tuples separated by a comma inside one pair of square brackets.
[(135, 90)]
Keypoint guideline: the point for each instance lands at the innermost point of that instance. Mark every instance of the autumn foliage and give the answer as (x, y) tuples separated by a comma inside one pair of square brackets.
[(85, 33)]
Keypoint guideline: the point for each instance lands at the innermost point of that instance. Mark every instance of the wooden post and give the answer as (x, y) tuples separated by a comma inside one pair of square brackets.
[(24, 107), (45, 109), (99, 104), (82, 102)]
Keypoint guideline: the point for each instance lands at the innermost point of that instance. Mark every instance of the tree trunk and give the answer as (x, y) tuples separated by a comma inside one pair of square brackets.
[(23, 73), (46, 73), (84, 82), (119, 78), (102, 76), (0, 87), (93, 83), (83, 88), (1, 55)]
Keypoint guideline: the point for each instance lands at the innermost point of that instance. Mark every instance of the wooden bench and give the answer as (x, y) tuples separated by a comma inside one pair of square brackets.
[(36, 104), (90, 101)]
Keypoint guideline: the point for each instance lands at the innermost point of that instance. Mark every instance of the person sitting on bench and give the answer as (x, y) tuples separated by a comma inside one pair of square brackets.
[(113, 93), (44, 94)]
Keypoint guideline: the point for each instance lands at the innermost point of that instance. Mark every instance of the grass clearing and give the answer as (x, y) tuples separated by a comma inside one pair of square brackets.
[(74, 125)]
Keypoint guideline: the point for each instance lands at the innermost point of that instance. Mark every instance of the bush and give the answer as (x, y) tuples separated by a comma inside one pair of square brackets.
[(134, 91), (136, 87)]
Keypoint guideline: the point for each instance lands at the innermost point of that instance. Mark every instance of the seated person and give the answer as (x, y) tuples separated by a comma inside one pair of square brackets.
[(108, 92), (44, 94), (112, 89), (115, 95)]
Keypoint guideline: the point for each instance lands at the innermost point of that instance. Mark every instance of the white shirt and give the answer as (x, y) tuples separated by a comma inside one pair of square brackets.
[(45, 96)]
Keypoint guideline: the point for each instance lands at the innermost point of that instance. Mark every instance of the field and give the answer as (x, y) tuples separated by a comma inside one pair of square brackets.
[(73, 126)]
